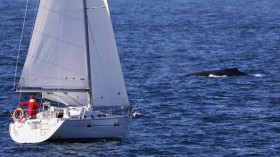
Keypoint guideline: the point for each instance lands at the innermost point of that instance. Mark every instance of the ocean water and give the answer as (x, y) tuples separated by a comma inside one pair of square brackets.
[(159, 42)]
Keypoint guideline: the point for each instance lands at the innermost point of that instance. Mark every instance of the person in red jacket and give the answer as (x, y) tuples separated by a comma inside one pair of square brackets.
[(32, 104)]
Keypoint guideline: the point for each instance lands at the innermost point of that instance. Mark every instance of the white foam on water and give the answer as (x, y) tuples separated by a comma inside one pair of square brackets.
[(258, 75), (211, 75)]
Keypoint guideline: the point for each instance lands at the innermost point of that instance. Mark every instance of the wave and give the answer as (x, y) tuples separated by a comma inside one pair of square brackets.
[(211, 75), (258, 75)]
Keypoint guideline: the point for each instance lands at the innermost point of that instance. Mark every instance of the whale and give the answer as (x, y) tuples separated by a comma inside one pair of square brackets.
[(220, 73)]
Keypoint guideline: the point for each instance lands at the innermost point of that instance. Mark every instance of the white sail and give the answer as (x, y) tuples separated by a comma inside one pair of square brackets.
[(57, 56), (57, 53), (107, 81)]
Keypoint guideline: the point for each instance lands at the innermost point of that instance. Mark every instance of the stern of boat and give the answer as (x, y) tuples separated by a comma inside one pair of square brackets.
[(34, 130)]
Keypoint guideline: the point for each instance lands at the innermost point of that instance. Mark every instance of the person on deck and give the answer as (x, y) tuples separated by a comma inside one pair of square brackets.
[(32, 104)]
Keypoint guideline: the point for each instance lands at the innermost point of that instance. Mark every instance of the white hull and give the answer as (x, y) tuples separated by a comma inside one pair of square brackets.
[(74, 130), (49, 126), (34, 131)]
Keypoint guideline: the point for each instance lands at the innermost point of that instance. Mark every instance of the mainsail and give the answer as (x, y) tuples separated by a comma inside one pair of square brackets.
[(57, 59)]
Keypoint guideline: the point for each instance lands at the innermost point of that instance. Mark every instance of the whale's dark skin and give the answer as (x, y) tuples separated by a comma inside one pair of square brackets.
[(223, 72)]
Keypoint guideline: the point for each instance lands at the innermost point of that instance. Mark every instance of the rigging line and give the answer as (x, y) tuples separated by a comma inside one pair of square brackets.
[(34, 38), (87, 44), (34, 20), (20, 42), (37, 5), (59, 51)]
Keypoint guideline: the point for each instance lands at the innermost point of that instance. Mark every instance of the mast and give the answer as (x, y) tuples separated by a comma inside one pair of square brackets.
[(88, 53)]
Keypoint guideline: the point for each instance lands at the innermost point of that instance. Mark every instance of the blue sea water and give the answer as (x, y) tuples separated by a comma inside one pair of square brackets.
[(159, 42)]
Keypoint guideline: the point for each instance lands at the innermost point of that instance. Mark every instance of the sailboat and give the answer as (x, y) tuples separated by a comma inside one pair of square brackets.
[(73, 63)]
